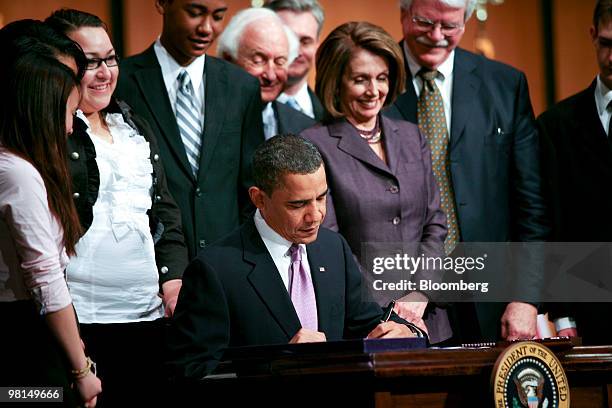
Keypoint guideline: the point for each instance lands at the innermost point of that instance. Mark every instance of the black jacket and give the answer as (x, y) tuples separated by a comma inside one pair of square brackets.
[(233, 295), (577, 168), (215, 201), (164, 215)]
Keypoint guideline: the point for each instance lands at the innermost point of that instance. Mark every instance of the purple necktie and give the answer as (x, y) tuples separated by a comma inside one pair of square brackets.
[(302, 291)]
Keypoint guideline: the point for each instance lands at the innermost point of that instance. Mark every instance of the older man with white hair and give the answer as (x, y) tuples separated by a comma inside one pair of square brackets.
[(487, 151), (257, 40)]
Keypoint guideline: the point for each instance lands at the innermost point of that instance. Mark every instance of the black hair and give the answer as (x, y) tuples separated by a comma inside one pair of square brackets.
[(33, 126), (602, 13), (67, 20), (34, 36), (281, 155)]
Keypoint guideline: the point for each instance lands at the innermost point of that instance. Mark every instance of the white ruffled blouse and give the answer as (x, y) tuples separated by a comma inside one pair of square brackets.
[(113, 278)]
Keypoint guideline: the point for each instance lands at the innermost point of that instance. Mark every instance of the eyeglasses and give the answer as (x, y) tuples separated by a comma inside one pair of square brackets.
[(448, 29), (94, 63)]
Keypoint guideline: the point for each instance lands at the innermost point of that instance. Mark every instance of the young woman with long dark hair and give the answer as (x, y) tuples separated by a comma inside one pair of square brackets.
[(39, 228)]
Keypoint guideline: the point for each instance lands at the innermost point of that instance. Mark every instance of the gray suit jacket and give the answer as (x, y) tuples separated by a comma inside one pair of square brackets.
[(371, 201)]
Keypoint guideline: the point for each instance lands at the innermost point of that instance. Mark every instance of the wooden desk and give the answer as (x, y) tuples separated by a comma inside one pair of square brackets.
[(416, 378)]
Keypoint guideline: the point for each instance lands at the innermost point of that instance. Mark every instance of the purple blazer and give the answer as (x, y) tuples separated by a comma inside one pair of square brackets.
[(371, 201)]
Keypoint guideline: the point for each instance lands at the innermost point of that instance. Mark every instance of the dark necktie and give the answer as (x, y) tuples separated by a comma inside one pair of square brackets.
[(432, 122)]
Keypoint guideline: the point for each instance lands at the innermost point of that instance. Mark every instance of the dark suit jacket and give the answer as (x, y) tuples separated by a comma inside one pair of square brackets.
[(577, 167), (317, 106), (367, 196), (290, 120), (577, 159), (233, 295), (494, 157), (213, 203)]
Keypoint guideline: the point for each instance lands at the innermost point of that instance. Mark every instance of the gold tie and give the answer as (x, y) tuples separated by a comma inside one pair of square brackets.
[(432, 122)]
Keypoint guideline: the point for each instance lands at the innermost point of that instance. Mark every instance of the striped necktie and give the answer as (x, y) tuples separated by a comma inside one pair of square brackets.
[(432, 122), (188, 119)]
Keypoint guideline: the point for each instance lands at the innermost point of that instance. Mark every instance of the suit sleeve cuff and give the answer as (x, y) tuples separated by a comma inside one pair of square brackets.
[(169, 271)]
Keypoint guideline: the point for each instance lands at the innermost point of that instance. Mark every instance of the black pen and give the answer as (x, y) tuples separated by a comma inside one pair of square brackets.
[(387, 314)]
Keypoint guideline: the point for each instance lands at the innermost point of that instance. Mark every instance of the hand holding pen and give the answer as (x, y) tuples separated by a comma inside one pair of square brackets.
[(387, 315), (388, 328), (415, 329)]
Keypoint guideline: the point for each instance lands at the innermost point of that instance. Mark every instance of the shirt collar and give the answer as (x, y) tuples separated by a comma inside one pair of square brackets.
[(267, 114), (603, 96), (171, 69), (445, 69), (301, 96), (81, 115), (276, 244)]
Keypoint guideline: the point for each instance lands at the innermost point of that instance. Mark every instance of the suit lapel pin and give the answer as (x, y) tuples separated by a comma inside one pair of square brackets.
[(321, 269)]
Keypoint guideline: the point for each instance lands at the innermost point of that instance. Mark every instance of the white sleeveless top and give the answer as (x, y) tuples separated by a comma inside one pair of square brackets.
[(113, 278)]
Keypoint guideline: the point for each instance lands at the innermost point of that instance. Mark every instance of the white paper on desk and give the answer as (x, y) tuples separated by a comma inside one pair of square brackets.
[(545, 328)]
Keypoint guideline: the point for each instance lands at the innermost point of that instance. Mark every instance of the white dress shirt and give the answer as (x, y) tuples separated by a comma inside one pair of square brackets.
[(268, 118), (32, 254), (171, 70), (444, 80), (603, 97), (302, 97), (278, 247), (113, 278)]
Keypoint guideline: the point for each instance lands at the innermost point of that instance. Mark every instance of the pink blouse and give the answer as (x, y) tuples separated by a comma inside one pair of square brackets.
[(32, 256)]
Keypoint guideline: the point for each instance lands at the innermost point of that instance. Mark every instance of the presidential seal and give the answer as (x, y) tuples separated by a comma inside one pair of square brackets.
[(529, 375)]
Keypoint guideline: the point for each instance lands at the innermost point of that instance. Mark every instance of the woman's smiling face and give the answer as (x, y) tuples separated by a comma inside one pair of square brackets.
[(98, 84)]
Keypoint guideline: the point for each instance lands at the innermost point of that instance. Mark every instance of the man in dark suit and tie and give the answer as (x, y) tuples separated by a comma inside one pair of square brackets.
[(492, 157), (577, 163), (305, 18), (257, 40), (279, 278), (205, 113)]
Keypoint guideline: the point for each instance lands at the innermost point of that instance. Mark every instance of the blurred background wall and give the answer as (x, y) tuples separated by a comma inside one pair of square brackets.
[(547, 39)]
